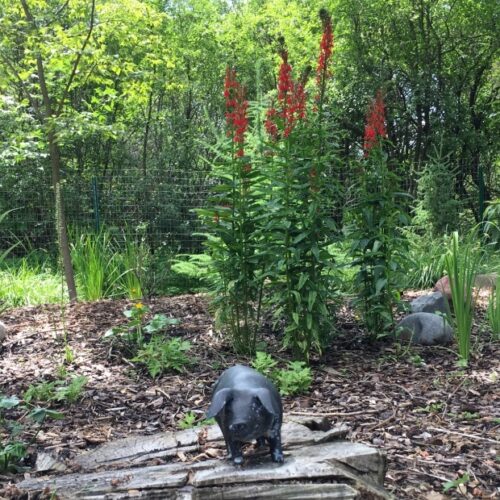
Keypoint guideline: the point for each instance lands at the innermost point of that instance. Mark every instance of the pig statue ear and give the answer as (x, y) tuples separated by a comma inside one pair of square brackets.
[(218, 402), (265, 397)]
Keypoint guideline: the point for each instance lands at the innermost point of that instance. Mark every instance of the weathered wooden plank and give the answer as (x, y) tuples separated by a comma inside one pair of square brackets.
[(140, 449), (317, 465), (329, 463), (295, 491)]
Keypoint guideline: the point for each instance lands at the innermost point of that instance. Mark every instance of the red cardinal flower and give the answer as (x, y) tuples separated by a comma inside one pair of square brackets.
[(285, 83), (325, 48), (291, 102), (270, 124), (236, 110), (375, 123)]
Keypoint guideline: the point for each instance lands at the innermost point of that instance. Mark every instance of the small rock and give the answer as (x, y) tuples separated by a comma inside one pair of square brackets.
[(443, 286), (431, 303), (480, 281), (3, 332), (486, 280), (425, 329)]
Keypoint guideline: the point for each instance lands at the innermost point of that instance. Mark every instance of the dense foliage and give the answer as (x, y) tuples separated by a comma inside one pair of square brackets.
[(112, 123), (134, 120)]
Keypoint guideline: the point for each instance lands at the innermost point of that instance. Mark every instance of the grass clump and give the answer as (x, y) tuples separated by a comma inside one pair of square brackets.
[(462, 261), (24, 282), (493, 311)]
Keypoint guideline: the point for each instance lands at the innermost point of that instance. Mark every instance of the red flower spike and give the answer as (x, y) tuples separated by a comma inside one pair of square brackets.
[(291, 102), (236, 110), (285, 83), (375, 123), (325, 52), (271, 127)]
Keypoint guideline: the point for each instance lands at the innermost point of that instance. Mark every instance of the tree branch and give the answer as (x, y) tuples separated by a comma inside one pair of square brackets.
[(77, 61)]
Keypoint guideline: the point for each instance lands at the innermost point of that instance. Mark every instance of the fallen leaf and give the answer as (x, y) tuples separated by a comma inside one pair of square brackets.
[(434, 495)]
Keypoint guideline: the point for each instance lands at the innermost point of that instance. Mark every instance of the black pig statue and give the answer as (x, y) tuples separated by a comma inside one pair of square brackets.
[(247, 406)]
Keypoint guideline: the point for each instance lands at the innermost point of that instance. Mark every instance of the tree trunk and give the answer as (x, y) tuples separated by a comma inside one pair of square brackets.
[(47, 112), (62, 230)]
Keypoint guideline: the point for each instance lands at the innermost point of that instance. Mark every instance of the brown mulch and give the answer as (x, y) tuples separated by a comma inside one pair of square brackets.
[(435, 421)]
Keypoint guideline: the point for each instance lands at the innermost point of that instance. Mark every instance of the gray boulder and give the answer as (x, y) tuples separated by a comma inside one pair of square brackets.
[(3, 332), (425, 329), (430, 303)]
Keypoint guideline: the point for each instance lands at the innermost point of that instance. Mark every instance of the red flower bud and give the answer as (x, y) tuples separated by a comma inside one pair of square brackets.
[(236, 110), (375, 123)]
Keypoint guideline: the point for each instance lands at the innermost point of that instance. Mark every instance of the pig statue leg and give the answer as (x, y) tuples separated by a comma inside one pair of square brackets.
[(234, 451), (275, 444), (276, 451)]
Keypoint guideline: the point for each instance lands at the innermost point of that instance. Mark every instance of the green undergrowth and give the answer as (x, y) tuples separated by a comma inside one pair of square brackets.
[(29, 282)]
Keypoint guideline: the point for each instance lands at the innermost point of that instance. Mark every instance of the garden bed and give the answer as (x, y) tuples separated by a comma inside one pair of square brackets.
[(435, 422)]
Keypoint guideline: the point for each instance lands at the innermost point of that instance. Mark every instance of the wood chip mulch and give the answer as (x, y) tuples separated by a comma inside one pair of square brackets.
[(436, 422)]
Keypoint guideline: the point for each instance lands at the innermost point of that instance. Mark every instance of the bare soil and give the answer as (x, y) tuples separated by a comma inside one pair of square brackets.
[(436, 422)]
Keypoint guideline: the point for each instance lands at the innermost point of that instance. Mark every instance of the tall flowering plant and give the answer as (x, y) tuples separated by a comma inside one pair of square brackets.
[(268, 220), (299, 226), (377, 244), (233, 233)]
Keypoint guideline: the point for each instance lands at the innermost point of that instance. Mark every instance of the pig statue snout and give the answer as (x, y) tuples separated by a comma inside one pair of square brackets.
[(238, 428), (247, 406)]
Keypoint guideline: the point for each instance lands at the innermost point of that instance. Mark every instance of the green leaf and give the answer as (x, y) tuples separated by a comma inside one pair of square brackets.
[(456, 482), (311, 299), (40, 414), (380, 284), (159, 322), (9, 402), (302, 280), (299, 238)]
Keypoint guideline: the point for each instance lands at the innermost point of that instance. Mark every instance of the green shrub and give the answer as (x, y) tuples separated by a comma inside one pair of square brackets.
[(379, 246), (196, 270), (72, 392), (61, 391), (491, 223), (188, 421), (133, 257), (27, 282), (12, 449), (264, 363), (97, 269), (295, 380), (44, 391), (160, 355), (426, 259), (438, 206), (133, 334)]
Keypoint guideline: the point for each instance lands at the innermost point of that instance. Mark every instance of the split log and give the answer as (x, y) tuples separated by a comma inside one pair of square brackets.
[(318, 464)]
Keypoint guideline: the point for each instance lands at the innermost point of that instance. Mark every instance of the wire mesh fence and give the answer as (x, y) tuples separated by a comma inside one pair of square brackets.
[(159, 205)]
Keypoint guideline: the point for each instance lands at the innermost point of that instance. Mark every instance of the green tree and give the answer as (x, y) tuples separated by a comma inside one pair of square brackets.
[(435, 61)]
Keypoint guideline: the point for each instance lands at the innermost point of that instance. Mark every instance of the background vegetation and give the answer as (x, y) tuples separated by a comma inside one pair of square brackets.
[(109, 111)]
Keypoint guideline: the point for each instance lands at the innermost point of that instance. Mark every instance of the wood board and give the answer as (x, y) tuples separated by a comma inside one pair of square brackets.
[(319, 463)]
